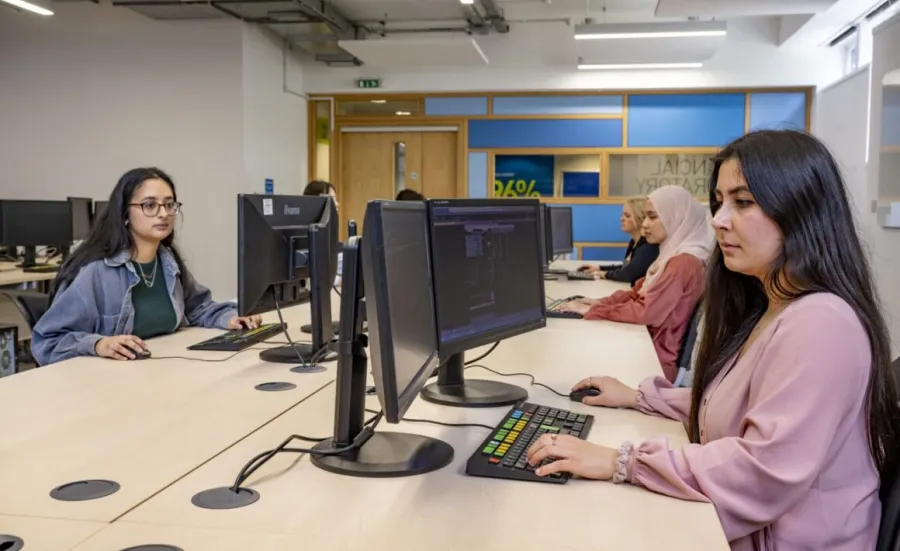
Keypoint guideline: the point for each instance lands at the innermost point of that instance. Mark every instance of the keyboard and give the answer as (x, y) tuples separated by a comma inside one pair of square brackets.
[(235, 341), (42, 269), (554, 312), (580, 276), (555, 271), (504, 453)]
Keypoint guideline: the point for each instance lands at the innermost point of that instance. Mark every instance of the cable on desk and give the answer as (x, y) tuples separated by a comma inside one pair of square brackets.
[(210, 360), (441, 423), (264, 457), (485, 355), (534, 382)]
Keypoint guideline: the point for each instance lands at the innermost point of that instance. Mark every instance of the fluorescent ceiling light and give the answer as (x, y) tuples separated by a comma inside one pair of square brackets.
[(467, 2), (624, 66), (379, 101), (633, 31), (28, 6), (663, 34)]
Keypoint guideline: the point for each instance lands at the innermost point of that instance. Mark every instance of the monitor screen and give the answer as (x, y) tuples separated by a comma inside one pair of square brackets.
[(488, 277), (99, 209), (82, 213), (399, 302), (561, 229)]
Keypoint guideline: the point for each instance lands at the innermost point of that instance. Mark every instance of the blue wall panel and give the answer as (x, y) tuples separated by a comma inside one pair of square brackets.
[(615, 254), (598, 223), (890, 117), (685, 120), (478, 175), (777, 110), (486, 134), (456, 106), (558, 105)]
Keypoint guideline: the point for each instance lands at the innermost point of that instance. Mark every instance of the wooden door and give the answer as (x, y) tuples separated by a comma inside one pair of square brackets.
[(376, 165)]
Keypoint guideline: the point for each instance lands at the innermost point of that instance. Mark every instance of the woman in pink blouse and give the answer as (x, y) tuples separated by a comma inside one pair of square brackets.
[(665, 299), (792, 417)]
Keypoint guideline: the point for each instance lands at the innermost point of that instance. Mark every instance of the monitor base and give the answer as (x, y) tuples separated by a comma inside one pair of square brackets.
[(308, 328), (387, 455), (288, 355), (474, 393)]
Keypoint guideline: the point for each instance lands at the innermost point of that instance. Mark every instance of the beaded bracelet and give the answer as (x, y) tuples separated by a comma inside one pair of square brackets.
[(625, 451)]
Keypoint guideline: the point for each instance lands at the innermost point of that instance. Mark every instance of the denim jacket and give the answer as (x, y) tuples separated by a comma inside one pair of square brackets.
[(98, 304)]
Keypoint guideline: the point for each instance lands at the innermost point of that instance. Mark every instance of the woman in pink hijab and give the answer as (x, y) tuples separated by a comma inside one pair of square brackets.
[(665, 299)]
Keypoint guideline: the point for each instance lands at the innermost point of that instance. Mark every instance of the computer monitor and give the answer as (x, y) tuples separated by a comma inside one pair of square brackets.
[(99, 209), (488, 286), (561, 230), (545, 240), (283, 241), (32, 224), (389, 266), (82, 216)]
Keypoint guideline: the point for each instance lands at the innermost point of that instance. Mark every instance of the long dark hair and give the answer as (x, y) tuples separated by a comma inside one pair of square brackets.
[(318, 187), (110, 235), (797, 183)]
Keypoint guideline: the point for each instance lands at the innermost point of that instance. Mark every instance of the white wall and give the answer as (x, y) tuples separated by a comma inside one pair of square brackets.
[(96, 90), (275, 117), (543, 56), (885, 242)]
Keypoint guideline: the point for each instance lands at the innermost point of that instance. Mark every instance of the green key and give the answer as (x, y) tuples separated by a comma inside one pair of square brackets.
[(548, 428), (488, 450), (509, 424), (553, 429), (499, 436)]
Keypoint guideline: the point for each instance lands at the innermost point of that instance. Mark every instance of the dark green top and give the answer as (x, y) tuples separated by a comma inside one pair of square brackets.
[(153, 311)]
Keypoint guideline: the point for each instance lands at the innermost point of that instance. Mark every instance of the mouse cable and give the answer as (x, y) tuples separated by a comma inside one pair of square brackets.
[(441, 423), (262, 458), (485, 355), (210, 360), (534, 382)]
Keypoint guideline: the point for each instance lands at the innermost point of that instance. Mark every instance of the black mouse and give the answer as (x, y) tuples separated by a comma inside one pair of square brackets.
[(140, 354), (580, 394)]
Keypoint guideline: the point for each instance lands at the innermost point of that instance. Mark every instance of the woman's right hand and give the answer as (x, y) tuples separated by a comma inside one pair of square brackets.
[(587, 301), (120, 347), (613, 393)]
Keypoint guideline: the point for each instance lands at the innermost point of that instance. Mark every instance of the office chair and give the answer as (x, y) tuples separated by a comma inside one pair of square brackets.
[(31, 304), (889, 530), (685, 375)]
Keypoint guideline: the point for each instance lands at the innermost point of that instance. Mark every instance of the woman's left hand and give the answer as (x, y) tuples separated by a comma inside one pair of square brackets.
[(600, 274), (247, 322), (573, 455)]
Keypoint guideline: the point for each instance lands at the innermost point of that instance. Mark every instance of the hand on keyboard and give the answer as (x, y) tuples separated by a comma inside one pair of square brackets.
[(575, 306), (573, 455)]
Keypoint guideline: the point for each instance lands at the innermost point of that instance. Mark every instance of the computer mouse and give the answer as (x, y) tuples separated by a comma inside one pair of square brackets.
[(580, 394), (140, 354)]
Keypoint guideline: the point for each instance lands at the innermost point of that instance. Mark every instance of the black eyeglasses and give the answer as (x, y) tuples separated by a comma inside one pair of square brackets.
[(151, 208)]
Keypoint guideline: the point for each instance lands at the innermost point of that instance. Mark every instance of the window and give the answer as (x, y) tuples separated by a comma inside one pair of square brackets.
[(631, 175), (547, 176), (378, 107)]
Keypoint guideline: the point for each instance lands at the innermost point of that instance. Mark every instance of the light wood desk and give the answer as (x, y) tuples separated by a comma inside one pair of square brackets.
[(124, 535), (10, 275), (447, 510), (48, 534), (142, 424)]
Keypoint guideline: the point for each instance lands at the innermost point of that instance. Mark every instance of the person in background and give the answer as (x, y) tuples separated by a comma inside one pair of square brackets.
[(793, 414), (409, 195), (127, 282), (321, 188), (665, 299), (639, 255)]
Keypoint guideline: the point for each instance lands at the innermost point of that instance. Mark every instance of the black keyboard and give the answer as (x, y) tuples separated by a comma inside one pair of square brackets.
[(580, 276), (553, 310), (235, 341), (42, 269), (555, 271), (504, 453)]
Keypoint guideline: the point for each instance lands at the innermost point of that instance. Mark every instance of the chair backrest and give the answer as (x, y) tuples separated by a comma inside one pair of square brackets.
[(32, 305), (889, 530), (686, 351)]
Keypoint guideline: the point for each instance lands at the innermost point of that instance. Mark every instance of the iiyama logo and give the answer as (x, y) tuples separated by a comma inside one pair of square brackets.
[(289, 210)]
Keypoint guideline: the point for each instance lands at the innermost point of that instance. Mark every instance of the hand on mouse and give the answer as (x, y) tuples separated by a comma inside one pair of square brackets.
[(120, 347), (573, 455), (575, 306), (613, 393), (246, 322)]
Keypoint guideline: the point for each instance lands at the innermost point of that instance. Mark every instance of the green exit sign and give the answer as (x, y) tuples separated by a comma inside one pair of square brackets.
[(368, 83)]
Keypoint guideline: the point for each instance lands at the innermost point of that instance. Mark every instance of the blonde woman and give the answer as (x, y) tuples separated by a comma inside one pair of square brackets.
[(639, 255)]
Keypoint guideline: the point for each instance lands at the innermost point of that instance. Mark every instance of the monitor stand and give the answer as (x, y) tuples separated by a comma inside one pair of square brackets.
[(308, 327), (376, 454), (30, 260), (452, 389)]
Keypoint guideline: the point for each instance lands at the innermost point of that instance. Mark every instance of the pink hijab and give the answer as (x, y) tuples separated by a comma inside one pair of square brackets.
[(687, 225)]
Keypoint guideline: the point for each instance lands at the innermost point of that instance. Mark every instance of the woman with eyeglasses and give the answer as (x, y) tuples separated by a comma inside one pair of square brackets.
[(127, 282)]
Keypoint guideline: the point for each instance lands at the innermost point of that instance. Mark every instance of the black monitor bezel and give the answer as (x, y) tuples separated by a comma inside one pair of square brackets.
[(72, 202), (489, 337), (568, 208), (395, 402)]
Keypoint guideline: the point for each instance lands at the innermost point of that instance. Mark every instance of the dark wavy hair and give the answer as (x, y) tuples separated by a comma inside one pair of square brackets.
[(409, 195), (318, 187), (797, 183), (110, 235)]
